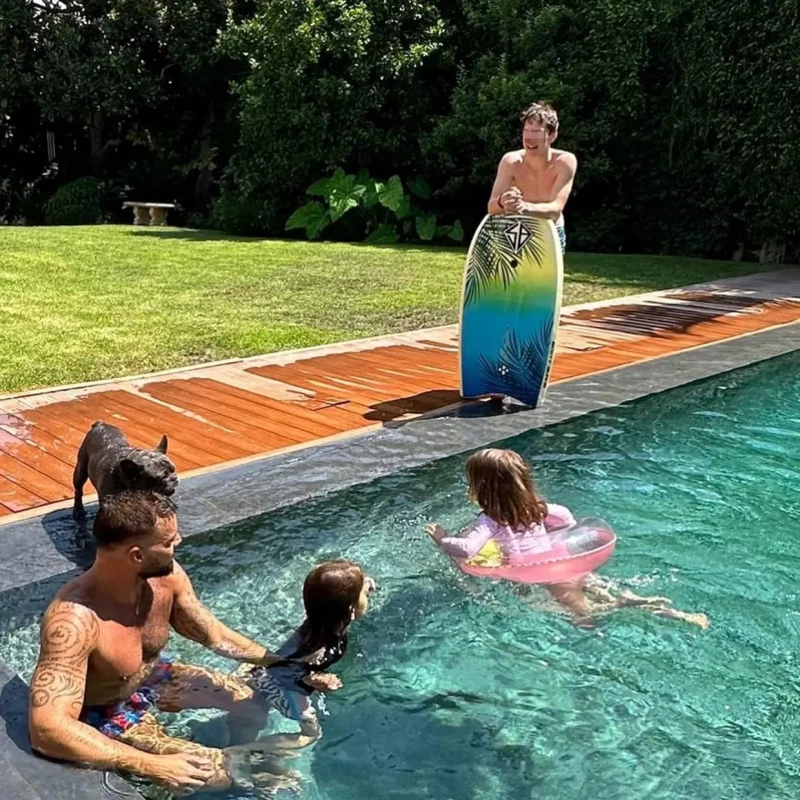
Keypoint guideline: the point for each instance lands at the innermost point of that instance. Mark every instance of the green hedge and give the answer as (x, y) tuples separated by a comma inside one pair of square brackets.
[(76, 203)]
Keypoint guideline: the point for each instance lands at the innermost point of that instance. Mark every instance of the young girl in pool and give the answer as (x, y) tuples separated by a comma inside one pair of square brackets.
[(334, 594), (518, 521)]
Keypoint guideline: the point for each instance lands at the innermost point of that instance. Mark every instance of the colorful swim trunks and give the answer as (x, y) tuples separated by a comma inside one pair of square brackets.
[(115, 719)]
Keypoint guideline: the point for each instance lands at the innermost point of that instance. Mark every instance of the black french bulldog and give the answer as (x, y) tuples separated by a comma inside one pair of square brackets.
[(113, 464)]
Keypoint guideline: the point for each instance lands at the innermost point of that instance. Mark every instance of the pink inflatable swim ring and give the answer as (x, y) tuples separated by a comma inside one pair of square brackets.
[(574, 552)]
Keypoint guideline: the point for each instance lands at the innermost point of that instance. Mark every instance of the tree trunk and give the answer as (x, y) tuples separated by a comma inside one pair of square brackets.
[(202, 186), (772, 251), (96, 143)]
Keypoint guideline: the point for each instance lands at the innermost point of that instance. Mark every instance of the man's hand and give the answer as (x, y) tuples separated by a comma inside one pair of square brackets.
[(515, 205), (268, 660), (510, 200), (324, 681), (180, 772), (436, 532)]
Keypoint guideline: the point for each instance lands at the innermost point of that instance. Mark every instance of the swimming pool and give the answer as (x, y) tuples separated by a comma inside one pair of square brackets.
[(455, 689)]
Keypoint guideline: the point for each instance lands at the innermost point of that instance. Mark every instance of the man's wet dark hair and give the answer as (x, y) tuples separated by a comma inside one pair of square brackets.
[(130, 514)]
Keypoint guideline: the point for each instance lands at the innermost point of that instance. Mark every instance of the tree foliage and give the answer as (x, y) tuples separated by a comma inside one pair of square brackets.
[(683, 115)]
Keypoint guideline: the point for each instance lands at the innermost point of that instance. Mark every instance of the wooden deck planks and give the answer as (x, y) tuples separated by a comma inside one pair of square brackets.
[(236, 411)]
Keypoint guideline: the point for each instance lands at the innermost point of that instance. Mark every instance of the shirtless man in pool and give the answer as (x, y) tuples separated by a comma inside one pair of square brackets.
[(536, 180), (101, 671)]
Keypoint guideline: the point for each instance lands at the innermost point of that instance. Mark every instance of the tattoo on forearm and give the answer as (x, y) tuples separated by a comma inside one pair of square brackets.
[(90, 747), (235, 651), (149, 736), (193, 620)]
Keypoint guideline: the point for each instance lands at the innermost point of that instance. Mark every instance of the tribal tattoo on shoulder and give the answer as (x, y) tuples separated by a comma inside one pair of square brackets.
[(67, 639)]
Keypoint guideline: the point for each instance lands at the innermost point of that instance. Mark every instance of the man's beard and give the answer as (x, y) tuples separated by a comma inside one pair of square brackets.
[(158, 572)]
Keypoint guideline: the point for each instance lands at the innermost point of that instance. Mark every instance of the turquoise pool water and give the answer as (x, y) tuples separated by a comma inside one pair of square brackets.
[(455, 689)]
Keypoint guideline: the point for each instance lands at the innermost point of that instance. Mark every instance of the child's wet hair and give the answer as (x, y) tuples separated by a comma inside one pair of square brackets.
[(330, 593), (500, 482)]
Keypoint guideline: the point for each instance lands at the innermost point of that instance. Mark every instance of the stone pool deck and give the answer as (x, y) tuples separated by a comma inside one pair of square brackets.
[(230, 413)]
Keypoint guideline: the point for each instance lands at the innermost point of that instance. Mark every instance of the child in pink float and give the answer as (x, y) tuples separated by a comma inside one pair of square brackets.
[(519, 523)]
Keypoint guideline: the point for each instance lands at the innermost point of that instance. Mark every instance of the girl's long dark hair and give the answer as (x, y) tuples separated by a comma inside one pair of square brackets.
[(330, 593)]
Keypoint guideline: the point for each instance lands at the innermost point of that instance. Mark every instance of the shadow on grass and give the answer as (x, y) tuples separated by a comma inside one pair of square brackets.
[(196, 235), (192, 235), (629, 272), (651, 273)]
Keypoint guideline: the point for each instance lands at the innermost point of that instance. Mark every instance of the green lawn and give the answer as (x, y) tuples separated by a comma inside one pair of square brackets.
[(85, 303)]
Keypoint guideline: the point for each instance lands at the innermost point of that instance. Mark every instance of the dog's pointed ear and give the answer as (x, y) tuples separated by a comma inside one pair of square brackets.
[(129, 472), (162, 445)]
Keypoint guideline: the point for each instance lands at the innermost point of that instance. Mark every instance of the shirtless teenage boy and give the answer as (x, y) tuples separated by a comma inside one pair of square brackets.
[(536, 180), (101, 671)]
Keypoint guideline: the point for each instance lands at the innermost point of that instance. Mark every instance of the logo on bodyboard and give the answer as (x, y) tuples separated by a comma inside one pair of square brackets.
[(518, 235)]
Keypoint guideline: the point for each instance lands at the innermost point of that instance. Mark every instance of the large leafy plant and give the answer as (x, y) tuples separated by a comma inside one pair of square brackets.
[(387, 213)]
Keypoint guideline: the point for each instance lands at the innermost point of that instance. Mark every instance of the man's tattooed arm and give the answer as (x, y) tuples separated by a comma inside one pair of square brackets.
[(69, 633), (190, 618)]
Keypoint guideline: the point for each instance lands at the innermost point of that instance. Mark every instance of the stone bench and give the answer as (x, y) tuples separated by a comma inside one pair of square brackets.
[(149, 213)]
